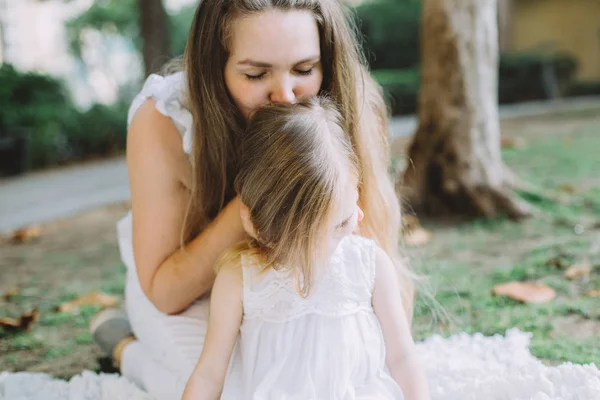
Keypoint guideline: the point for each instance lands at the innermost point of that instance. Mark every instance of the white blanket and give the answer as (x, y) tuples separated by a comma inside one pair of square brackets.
[(461, 367)]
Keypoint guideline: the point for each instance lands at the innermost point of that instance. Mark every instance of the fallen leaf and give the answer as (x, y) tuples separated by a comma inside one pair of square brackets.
[(10, 293), (92, 298), (593, 293), (417, 237), (22, 324), (578, 271), (26, 234), (569, 189), (527, 292), (512, 142), (410, 222), (412, 232), (560, 261)]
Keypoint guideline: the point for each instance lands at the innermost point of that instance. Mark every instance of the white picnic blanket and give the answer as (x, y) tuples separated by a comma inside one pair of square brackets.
[(462, 367)]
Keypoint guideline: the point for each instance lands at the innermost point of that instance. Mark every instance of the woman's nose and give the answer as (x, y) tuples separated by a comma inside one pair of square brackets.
[(283, 92)]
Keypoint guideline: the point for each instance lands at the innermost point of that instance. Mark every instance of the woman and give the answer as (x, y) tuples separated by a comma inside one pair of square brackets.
[(182, 153)]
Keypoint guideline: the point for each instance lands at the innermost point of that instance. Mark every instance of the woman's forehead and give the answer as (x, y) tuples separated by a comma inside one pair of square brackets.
[(278, 38)]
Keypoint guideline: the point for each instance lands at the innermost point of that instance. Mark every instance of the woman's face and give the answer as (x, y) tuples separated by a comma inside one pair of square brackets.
[(275, 57)]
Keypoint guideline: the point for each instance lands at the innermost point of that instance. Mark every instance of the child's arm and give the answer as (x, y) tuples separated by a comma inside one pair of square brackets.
[(401, 356), (224, 322)]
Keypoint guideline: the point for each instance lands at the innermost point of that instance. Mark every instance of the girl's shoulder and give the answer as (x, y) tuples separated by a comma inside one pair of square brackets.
[(356, 255), (356, 247)]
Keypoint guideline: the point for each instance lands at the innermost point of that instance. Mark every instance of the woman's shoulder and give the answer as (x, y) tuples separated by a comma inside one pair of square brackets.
[(164, 96)]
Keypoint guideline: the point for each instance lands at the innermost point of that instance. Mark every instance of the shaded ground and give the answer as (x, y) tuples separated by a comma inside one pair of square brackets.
[(464, 261), (70, 258)]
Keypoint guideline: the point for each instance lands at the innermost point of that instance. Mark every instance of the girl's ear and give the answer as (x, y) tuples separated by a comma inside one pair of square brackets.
[(246, 222)]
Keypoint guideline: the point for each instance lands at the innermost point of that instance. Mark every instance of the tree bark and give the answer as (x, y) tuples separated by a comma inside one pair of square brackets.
[(154, 30), (505, 10), (455, 165)]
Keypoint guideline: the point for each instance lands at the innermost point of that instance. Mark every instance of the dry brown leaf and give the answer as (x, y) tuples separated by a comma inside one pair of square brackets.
[(558, 262), (512, 142), (10, 293), (410, 222), (412, 232), (91, 298), (417, 237), (26, 234), (593, 293), (578, 271), (22, 324), (527, 292), (569, 189)]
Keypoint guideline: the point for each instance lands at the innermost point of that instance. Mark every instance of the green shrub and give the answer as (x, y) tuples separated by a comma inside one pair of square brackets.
[(531, 76), (99, 131), (521, 78), (180, 24), (38, 107), (400, 88), (583, 88), (35, 105), (390, 32)]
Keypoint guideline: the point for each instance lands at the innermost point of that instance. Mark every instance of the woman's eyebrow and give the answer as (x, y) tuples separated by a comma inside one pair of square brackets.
[(260, 64)]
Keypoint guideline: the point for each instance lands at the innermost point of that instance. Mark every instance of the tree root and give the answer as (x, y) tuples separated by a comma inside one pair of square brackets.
[(517, 184)]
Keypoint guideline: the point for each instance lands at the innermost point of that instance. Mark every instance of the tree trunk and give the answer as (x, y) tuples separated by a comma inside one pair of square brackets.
[(505, 10), (455, 162), (154, 30)]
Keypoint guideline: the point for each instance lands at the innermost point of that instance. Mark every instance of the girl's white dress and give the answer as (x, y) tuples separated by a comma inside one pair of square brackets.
[(328, 346)]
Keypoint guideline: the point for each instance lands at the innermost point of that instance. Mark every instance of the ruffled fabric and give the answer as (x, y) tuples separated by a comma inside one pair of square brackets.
[(170, 93), (328, 346)]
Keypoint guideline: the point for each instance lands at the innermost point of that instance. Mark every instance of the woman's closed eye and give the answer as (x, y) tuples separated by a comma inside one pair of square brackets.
[(255, 77), (304, 71)]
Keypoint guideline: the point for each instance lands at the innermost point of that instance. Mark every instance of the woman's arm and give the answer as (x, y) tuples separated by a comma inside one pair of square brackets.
[(159, 178), (401, 355), (206, 382)]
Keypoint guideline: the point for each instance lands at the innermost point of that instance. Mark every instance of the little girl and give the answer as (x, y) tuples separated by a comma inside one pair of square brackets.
[(318, 309)]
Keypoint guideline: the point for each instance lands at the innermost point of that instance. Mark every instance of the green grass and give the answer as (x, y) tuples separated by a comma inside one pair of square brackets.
[(56, 352), (463, 263), (26, 341)]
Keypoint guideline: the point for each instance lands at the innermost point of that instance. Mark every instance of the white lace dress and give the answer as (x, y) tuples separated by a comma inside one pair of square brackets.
[(328, 346)]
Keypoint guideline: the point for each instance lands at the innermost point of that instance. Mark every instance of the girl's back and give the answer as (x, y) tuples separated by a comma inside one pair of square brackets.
[(326, 346)]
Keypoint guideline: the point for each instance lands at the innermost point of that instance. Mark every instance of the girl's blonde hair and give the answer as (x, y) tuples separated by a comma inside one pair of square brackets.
[(218, 124), (295, 160)]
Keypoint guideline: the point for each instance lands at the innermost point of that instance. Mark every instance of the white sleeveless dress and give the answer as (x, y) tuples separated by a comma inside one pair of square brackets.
[(328, 346)]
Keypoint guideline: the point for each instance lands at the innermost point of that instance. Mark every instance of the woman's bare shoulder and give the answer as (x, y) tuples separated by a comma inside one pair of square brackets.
[(153, 140)]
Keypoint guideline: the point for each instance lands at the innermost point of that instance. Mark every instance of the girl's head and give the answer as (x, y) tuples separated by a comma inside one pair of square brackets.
[(299, 180)]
